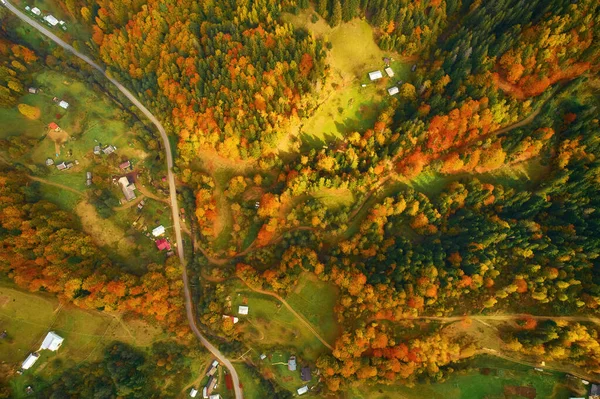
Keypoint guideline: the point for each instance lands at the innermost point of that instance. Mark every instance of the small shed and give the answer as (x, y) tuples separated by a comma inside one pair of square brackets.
[(393, 90), (51, 20), (205, 393), (305, 373), (292, 363), (88, 175), (160, 230), (375, 75), (36, 11), (243, 310), (389, 72), (53, 126), (125, 165), (63, 104), (163, 244), (32, 90), (263, 356), (61, 166), (97, 150), (215, 396), (49, 162), (193, 393), (109, 150), (302, 390), (30, 361)]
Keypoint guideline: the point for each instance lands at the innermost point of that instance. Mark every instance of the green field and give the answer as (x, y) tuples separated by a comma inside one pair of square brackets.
[(315, 300), (475, 385), (269, 324)]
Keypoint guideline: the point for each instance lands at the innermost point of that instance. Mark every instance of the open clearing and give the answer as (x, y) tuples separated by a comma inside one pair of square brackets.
[(334, 198)]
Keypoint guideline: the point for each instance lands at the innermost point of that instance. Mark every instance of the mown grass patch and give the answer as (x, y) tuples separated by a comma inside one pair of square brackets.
[(270, 324), (315, 300), (334, 198), (65, 199)]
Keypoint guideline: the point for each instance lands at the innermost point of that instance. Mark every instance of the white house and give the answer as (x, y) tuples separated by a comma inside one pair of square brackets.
[(389, 72), (303, 390), (193, 393), (52, 341), (243, 310), (205, 393), (160, 230), (30, 361), (63, 104), (215, 396), (375, 75), (36, 11), (51, 20), (393, 90)]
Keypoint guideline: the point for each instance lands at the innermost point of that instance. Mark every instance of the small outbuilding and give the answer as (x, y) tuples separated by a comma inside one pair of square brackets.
[(215, 396), (193, 393), (292, 363), (159, 231), (109, 150), (305, 373), (49, 162), (375, 75), (302, 390), (61, 166), (30, 361), (53, 126), (414, 68), (393, 90), (36, 11), (97, 150), (263, 356), (63, 104), (389, 72), (51, 20), (243, 310), (32, 90), (125, 165), (52, 342)]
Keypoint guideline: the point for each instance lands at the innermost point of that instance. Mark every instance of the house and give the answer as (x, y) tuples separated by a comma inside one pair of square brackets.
[(292, 363), (53, 126), (69, 165), (233, 319), (128, 187), (36, 11), (209, 384), (389, 72), (125, 165), (257, 204), (204, 393), (393, 90), (375, 75), (159, 231), (109, 150), (141, 204), (52, 342), (193, 393), (243, 310), (61, 166), (595, 392), (305, 373), (163, 244), (32, 90), (302, 390), (30, 361), (49, 162), (63, 104), (51, 20), (215, 396), (263, 356), (88, 175)]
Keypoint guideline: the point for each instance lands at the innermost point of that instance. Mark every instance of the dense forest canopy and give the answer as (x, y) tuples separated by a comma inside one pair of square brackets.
[(473, 191)]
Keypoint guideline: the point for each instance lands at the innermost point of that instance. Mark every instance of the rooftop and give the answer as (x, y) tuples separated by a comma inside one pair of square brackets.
[(243, 310)]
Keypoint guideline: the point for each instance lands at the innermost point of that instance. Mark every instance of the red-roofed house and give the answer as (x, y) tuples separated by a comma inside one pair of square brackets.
[(163, 244), (54, 126), (125, 165)]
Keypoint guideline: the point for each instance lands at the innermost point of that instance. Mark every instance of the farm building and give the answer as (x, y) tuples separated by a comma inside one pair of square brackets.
[(52, 342), (125, 165), (305, 373), (63, 104), (389, 72), (292, 363), (36, 11), (128, 187), (159, 231), (30, 361), (302, 390), (32, 90), (375, 75), (204, 393), (51, 20), (414, 68), (61, 166), (163, 244), (243, 310), (209, 384), (97, 150), (53, 126), (49, 162), (193, 393), (393, 90), (109, 150)]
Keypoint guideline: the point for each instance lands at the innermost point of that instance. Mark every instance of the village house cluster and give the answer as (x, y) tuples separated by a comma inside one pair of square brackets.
[(51, 342), (211, 384), (50, 19)]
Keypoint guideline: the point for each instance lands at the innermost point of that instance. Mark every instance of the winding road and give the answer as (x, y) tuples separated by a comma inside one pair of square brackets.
[(172, 189)]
